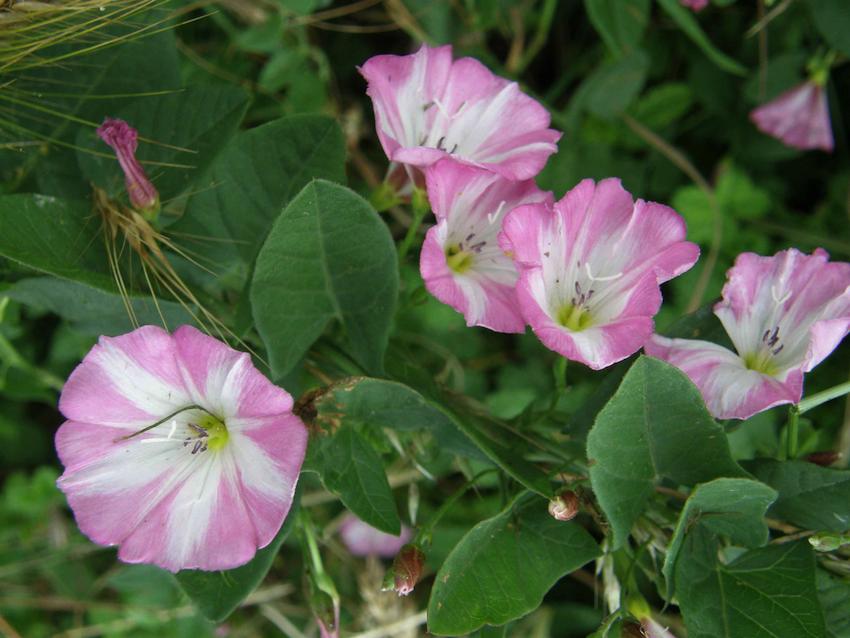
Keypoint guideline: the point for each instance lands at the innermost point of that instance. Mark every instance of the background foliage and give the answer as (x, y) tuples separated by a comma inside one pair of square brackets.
[(260, 139)]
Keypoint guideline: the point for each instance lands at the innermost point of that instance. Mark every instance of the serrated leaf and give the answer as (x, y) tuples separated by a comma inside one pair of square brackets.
[(328, 256), (351, 468), (217, 594), (728, 506), (504, 566), (689, 25), (253, 178), (765, 593), (655, 426), (810, 496), (621, 23)]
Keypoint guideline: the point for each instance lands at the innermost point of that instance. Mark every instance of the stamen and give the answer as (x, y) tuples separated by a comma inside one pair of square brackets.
[(779, 301), (492, 217), (606, 278)]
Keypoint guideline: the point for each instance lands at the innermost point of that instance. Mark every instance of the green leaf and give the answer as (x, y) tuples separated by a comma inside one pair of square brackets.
[(834, 592), (217, 594), (504, 566), (765, 593), (833, 21), (663, 105), (612, 87), (810, 496), (655, 426), (621, 23), (328, 256), (729, 506), (183, 132), (54, 236), (688, 23), (92, 310), (351, 468), (253, 178)]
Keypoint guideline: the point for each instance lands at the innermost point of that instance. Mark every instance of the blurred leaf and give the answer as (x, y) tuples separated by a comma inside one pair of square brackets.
[(253, 178), (328, 256), (810, 496), (833, 21), (92, 310), (656, 425), (504, 566), (54, 236), (688, 23), (217, 594), (612, 87), (834, 592), (183, 132), (765, 593), (662, 105), (730, 507), (351, 468), (621, 23)]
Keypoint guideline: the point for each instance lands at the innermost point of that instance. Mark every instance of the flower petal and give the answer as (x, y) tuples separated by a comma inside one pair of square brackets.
[(729, 388), (799, 118), (361, 539)]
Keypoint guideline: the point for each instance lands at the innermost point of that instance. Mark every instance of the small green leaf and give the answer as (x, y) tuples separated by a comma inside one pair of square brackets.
[(504, 566), (765, 593), (54, 236), (729, 506), (217, 594), (656, 425), (609, 90), (686, 21), (810, 496), (253, 178), (351, 468), (621, 23), (328, 256)]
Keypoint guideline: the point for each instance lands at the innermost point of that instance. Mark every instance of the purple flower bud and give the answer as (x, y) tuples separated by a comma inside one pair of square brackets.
[(407, 569), (123, 139), (564, 506)]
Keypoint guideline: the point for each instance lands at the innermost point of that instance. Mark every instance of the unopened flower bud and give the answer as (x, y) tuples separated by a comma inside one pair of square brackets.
[(406, 569), (825, 458), (123, 139), (564, 506)]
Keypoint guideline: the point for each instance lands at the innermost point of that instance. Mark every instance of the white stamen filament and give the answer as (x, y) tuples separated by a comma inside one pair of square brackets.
[(607, 278), (779, 301), (492, 217)]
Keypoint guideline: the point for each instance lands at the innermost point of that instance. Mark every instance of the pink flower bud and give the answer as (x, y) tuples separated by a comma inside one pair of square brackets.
[(564, 506), (695, 5), (407, 569), (123, 139)]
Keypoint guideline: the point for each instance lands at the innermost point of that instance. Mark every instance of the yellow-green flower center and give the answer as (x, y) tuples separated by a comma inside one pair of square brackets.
[(458, 260), (216, 432), (574, 317), (762, 362)]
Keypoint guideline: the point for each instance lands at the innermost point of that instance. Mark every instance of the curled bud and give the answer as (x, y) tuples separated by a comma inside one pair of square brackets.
[(825, 458), (406, 570), (564, 506), (123, 139)]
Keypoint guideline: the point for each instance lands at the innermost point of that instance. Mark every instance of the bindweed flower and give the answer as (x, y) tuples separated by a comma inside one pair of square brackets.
[(652, 629), (695, 5), (590, 271), (564, 506), (784, 314), (177, 450), (361, 539), (799, 118), (407, 569), (123, 139), (461, 261), (428, 106)]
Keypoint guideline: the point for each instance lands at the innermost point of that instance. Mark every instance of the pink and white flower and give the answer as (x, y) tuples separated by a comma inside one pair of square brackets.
[(694, 5), (428, 106), (361, 539), (461, 261), (177, 450), (590, 271), (799, 118), (784, 314), (124, 140)]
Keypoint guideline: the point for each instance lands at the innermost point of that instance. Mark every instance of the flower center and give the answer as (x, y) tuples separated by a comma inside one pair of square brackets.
[(458, 260), (208, 433), (762, 359), (574, 317)]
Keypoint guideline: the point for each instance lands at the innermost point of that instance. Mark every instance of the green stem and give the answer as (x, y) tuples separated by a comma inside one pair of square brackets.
[(320, 577), (540, 36), (822, 397), (424, 534), (419, 203), (793, 431)]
